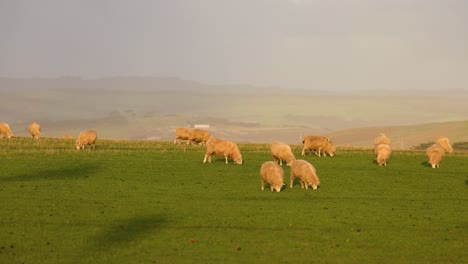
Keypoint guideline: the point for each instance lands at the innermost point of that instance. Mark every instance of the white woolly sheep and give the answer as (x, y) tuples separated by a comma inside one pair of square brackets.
[(223, 148), (181, 133), (87, 137), (434, 155), (35, 130), (5, 130), (305, 172), (383, 152), (272, 174), (317, 143), (198, 136), (280, 152), (436, 151)]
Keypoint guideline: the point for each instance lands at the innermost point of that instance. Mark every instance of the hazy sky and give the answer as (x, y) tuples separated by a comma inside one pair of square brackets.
[(319, 44)]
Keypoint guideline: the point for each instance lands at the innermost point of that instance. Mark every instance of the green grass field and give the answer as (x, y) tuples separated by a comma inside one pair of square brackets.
[(155, 202)]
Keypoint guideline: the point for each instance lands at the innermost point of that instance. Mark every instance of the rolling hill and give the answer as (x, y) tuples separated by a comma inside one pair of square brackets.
[(403, 137), (151, 107)]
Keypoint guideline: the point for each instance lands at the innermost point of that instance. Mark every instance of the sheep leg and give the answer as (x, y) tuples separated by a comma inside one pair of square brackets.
[(263, 185), (226, 160)]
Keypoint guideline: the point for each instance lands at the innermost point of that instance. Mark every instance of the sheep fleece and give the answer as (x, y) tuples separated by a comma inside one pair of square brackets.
[(273, 175)]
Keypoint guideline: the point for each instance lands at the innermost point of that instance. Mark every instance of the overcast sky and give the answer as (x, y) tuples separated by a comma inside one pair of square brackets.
[(317, 44)]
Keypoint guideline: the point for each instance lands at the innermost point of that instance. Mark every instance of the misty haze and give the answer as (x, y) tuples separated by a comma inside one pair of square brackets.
[(151, 108), (251, 71)]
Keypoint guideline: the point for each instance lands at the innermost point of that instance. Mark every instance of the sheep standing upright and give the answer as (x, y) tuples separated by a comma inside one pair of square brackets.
[(272, 174), (436, 151)]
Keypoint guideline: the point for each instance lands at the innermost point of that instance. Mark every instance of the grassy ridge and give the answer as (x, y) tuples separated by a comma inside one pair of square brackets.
[(155, 202)]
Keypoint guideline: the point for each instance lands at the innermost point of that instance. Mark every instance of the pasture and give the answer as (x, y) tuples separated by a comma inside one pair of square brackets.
[(155, 202)]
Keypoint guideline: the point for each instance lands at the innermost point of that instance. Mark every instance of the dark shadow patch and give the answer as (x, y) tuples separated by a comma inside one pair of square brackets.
[(58, 173), (426, 164), (127, 231)]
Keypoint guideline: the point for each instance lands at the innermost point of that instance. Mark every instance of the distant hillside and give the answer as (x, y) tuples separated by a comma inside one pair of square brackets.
[(151, 107), (403, 137)]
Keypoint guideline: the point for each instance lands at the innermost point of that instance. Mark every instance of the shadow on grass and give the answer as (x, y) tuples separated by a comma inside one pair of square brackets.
[(57, 173), (127, 231), (426, 164)]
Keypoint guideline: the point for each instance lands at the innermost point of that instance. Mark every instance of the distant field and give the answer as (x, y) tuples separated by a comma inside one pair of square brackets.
[(155, 202)]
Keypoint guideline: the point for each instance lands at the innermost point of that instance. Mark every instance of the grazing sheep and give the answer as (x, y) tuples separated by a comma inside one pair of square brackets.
[(198, 136), (383, 152), (181, 133), (436, 151), (272, 174), (382, 149), (86, 138), (305, 172), (434, 154), (224, 148), (329, 149), (5, 130), (280, 152), (35, 130), (318, 143), (382, 139)]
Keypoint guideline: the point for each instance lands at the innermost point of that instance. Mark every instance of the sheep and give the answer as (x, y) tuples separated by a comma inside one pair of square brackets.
[(35, 130), (5, 130), (272, 174), (181, 133), (280, 152), (382, 149), (383, 152), (87, 137), (329, 149), (436, 151), (318, 143), (198, 136), (224, 148), (434, 154), (305, 172)]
